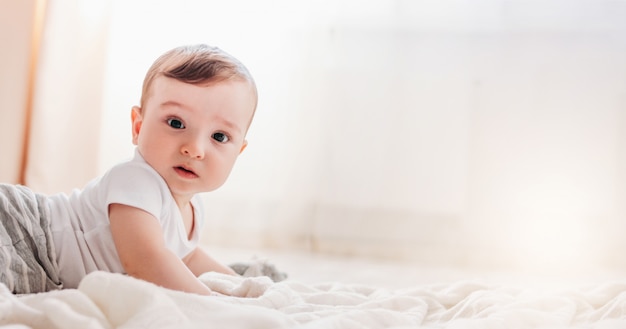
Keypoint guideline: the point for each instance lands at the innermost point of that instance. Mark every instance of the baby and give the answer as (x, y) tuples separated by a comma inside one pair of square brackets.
[(142, 217)]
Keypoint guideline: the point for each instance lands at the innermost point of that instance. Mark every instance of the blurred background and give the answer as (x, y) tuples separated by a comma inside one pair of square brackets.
[(481, 134)]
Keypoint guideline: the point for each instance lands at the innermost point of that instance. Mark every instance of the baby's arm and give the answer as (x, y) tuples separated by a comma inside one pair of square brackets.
[(139, 241), (198, 261)]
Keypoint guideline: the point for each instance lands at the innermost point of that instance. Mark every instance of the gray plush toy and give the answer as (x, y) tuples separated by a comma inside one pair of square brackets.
[(258, 268)]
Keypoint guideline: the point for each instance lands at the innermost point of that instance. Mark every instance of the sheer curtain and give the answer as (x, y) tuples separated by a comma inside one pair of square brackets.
[(18, 31), (59, 92), (67, 108)]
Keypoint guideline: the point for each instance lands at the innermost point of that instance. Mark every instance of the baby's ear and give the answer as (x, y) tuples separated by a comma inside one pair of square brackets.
[(136, 120), (243, 147)]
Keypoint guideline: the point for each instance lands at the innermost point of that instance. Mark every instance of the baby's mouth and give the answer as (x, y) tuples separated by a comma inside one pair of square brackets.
[(185, 172)]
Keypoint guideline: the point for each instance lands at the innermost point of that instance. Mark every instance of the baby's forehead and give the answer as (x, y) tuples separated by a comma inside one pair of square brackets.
[(211, 82), (162, 84), (235, 94)]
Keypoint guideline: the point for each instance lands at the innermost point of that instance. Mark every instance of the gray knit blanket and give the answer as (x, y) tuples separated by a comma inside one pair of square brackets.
[(27, 255)]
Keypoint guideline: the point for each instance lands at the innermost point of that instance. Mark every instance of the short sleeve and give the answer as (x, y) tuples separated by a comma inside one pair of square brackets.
[(137, 185)]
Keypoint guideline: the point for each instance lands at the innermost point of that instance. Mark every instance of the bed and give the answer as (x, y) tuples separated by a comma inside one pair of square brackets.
[(105, 300)]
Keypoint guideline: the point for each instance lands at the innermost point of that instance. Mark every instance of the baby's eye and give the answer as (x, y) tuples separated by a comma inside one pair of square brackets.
[(220, 137), (175, 123)]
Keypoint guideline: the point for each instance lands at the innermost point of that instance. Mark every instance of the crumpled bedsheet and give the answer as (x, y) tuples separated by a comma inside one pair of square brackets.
[(105, 300)]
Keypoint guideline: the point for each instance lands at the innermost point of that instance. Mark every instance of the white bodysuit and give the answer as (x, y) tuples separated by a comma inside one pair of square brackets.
[(80, 223)]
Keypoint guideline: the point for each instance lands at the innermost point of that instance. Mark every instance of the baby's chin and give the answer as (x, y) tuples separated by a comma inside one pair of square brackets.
[(188, 191)]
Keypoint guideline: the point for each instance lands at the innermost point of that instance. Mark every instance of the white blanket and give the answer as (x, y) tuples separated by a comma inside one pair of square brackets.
[(105, 300)]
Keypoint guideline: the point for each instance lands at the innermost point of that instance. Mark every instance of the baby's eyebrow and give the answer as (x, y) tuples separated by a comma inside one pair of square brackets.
[(230, 125), (172, 104)]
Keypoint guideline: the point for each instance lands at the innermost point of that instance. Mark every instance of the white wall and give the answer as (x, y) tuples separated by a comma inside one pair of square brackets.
[(457, 132)]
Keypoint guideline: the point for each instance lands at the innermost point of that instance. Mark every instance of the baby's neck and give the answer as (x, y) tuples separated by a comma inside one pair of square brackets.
[(187, 215)]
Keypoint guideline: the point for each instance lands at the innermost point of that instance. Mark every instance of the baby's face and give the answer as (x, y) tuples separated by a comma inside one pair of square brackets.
[(191, 134)]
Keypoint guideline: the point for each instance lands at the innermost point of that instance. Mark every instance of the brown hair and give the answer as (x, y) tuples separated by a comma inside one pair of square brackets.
[(197, 64)]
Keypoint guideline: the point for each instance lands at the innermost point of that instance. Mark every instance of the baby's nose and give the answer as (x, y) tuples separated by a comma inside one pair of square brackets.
[(194, 149)]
